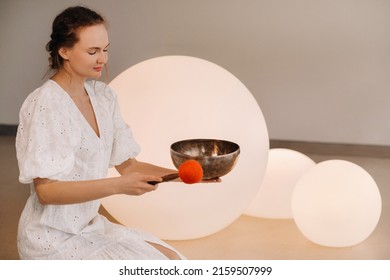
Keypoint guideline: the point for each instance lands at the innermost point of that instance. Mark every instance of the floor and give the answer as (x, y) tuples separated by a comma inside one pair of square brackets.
[(246, 238)]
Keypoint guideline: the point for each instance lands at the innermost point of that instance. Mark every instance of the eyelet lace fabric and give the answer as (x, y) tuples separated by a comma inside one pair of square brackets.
[(55, 141)]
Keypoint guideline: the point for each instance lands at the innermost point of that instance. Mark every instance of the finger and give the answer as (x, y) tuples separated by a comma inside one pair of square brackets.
[(151, 179), (212, 180), (155, 181), (146, 187)]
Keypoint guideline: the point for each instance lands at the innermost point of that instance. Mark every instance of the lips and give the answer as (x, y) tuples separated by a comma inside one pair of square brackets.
[(98, 68)]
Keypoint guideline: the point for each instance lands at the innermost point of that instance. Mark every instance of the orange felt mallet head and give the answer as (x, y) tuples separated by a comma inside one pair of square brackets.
[(191, 172)]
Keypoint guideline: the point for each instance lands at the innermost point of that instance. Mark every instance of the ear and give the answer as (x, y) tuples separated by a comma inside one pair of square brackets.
[(64, 53)]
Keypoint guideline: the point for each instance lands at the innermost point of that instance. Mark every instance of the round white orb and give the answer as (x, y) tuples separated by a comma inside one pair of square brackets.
[(171, 98), (284, 168), (336, 204)]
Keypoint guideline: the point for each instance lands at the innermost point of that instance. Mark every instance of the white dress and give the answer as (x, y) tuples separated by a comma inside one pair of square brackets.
[(55, 141)]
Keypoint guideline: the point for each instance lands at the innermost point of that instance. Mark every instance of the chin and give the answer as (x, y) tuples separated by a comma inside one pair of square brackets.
[(95, 75)]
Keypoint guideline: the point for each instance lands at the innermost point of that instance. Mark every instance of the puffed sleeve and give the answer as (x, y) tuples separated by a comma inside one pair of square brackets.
[(124, 144), (45, 138)]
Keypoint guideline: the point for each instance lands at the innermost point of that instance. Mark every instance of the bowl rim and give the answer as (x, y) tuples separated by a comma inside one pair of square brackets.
[(236, 151)]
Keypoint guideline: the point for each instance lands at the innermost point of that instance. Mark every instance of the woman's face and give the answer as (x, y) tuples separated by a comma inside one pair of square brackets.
[(86, 59)]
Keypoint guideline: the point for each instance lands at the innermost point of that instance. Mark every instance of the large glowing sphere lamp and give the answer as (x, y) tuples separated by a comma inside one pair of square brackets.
[(173, 98), (284, 169), (336, 204)]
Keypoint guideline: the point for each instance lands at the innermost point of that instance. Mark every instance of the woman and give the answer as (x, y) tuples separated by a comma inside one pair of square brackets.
[(70, 132)]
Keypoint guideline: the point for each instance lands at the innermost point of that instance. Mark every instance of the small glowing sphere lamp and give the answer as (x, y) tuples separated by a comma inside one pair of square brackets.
[(284, 169), (336, 204), (172, 98)]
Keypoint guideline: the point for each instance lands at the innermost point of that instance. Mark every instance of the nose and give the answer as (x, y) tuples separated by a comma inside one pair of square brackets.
[(102, 58)]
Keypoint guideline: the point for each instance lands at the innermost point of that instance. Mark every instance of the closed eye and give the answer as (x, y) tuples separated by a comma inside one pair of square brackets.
[(94, 50)]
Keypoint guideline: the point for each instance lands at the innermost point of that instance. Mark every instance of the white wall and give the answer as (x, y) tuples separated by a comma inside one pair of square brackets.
[(318, 69)]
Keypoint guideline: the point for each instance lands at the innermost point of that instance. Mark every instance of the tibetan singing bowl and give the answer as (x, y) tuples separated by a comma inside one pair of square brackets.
[(217, 157)]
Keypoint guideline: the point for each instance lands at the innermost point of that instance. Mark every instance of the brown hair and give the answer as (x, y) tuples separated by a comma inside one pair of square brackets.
[(64, 31)]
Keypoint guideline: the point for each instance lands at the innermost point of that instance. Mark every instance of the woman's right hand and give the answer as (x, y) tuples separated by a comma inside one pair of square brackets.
[(137, 184)]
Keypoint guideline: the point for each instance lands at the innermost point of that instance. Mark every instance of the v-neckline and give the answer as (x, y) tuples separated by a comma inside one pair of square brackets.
[(93, 105)]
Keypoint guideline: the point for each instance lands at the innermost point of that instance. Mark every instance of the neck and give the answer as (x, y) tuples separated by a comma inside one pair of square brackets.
[(74, 86)]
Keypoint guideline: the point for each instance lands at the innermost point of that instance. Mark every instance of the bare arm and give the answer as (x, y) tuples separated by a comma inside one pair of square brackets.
[(133, 165), (133, 181)]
